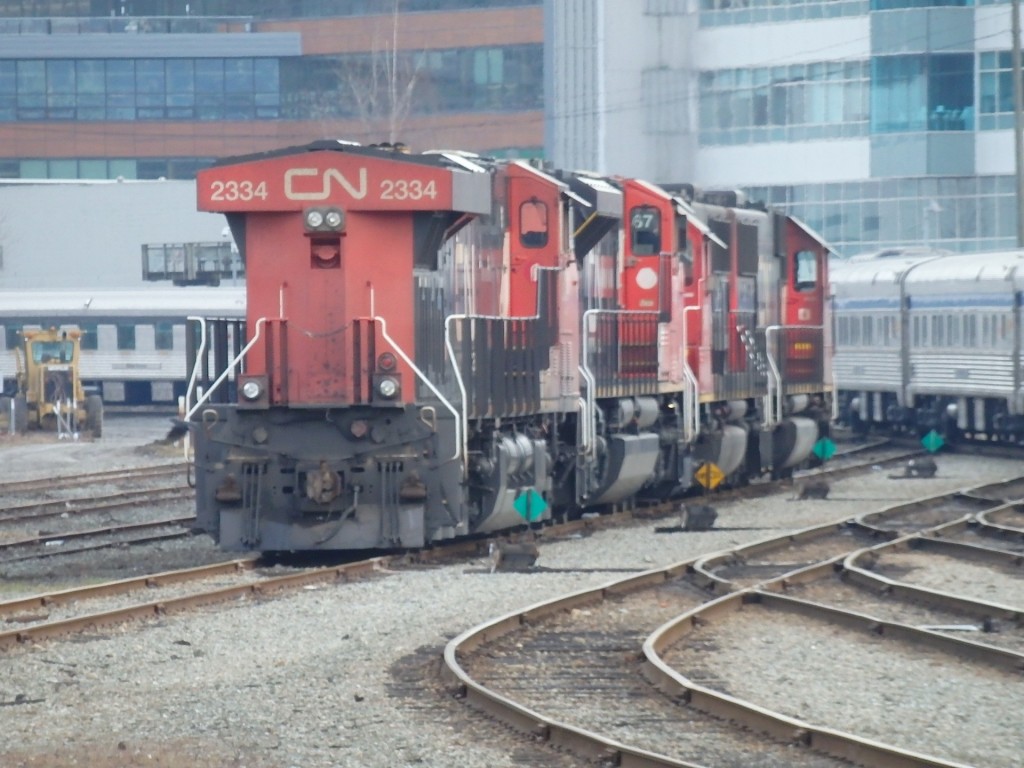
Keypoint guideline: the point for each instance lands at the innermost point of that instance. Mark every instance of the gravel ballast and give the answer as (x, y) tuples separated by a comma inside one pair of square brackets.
[(346, 675)]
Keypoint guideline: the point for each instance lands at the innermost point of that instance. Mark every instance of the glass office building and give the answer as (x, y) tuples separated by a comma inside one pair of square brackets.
[(880, 122), (158, 88)]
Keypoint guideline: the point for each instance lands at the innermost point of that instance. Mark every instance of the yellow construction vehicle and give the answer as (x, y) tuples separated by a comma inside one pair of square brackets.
[(49, 393)]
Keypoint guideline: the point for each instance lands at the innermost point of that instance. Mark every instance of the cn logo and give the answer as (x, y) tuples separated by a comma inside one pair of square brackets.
[(299, 186)]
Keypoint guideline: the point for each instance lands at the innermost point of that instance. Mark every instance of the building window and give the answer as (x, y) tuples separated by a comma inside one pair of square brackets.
[(452, 80), (955, 213), (714, 13), (995, 79), (94, 14), (140, 89), (791, 103), (70, 168), (922, 93)]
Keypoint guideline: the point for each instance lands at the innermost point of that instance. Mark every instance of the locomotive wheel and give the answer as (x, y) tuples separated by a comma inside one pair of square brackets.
[(94, 415), (20, 414)]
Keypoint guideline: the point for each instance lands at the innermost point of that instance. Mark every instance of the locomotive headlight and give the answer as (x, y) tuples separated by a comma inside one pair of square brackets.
[(387, 387), (314, 219), (333, 219), (251, 390)]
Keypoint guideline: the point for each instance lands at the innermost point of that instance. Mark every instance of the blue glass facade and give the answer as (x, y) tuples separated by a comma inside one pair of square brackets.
[(821, 100), (924, 94), (137, 88), (140, 89)]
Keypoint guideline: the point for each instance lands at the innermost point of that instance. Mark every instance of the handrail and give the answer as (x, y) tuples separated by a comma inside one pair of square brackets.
[(691, 410), (430, 385), (587, 414), (462, 436), (584, 368), (773, 417), (228, 370), (450, 349), (200, 354)]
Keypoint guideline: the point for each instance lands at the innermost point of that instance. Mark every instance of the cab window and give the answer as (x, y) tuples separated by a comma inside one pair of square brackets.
[(533, 224), (52, 351), (805, 275), (685, 250), (645, 224)]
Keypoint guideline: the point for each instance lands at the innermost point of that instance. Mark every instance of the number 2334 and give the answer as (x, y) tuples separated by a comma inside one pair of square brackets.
[(238, 190), (407, 189), (390, 189)]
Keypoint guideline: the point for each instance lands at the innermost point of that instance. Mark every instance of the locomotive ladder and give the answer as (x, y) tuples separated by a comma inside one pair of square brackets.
[(774, 400), (546, 315), (588, 403)]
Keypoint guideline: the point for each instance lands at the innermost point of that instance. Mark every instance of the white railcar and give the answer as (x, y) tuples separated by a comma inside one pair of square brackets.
[(931, 342), (964, 349), (134, 350), (869, 365)]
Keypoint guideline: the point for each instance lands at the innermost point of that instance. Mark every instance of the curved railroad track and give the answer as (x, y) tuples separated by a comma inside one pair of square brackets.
[(539, 668)]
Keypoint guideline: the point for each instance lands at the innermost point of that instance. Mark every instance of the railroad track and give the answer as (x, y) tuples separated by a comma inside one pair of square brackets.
[(74, 526), (590, 652), (89, 608), (95, 539), (39, 510), (92, 478), (44, 518), (111, 537)]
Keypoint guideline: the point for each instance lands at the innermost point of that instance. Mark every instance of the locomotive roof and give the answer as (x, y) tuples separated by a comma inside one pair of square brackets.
[(154, 302), (436, 159)]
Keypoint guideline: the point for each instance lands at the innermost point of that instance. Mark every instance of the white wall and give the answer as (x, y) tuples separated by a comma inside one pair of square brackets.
[(766, 164), (90, 235)]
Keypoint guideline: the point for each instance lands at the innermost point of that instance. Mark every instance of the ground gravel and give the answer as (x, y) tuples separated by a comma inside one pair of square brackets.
[(345, 675)]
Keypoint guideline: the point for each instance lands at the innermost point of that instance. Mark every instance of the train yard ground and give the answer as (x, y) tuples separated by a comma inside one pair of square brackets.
[(130, 439), (339, 674)]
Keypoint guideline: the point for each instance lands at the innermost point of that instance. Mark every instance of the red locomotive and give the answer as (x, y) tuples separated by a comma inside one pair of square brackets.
[(439, 345)]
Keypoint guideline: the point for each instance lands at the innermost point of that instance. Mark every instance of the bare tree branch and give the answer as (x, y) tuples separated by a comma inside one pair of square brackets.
[(383, 89)]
